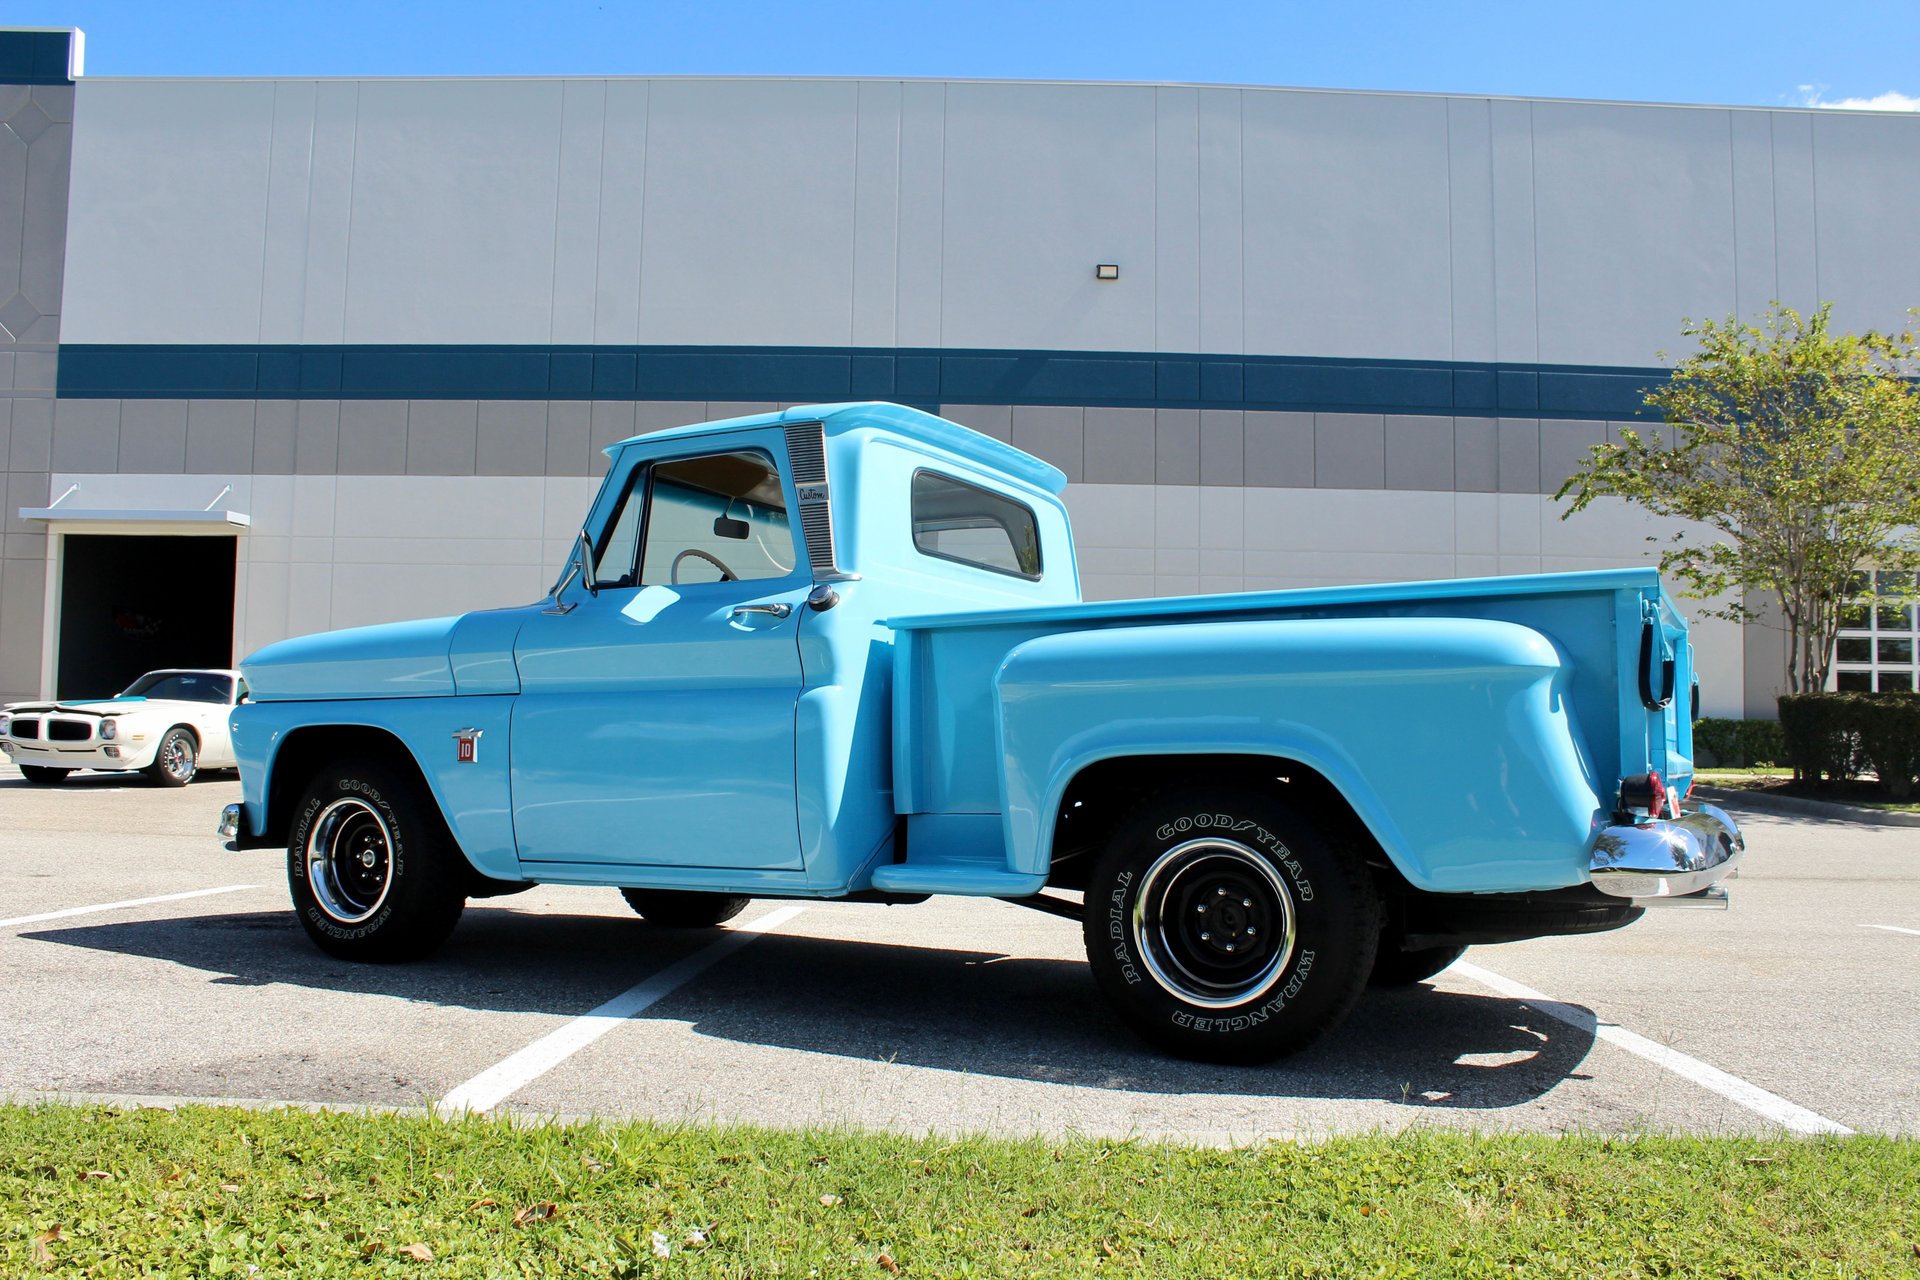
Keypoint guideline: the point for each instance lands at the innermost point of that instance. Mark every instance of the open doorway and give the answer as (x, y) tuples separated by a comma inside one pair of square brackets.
[(130, 603)]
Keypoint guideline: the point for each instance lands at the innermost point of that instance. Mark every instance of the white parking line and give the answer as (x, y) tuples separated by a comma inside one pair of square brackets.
[(498, 1082), (1751, 1096), (1892, 928), (117, 906)]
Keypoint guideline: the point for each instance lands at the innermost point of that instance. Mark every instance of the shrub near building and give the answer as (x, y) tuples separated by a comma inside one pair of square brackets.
[(1833, 736), (1737, 744)]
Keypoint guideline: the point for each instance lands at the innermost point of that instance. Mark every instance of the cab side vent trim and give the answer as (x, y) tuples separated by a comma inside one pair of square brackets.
[(807, 456)]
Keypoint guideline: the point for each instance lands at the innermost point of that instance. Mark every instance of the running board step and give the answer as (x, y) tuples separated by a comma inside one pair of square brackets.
[(974, 880)]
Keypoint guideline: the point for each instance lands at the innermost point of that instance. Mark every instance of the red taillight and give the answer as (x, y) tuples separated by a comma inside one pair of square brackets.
[(1646, 793)]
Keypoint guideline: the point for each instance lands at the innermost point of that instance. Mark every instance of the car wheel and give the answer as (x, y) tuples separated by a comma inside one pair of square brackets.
[(176, 759), (1224, 926), (373, 871), (684, 909), (1393, 967), (41, 775)]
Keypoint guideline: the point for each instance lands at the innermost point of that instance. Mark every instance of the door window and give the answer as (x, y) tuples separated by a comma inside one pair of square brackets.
[(719, 518)]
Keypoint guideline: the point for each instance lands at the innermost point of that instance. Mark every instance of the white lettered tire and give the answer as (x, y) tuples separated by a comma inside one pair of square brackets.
[(1223, 926), (371, 868)]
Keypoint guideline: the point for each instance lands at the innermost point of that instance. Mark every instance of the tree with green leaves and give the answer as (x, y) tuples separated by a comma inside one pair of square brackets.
[(1800, 448)]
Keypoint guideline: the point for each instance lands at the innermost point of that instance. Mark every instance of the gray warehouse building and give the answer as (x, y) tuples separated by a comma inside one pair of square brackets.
[(280, 355)]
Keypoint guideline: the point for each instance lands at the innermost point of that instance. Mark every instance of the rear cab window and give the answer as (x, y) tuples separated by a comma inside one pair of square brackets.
[(964, 523)]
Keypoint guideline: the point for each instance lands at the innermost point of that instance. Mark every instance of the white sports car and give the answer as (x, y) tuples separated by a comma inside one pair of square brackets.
[(167, 724)]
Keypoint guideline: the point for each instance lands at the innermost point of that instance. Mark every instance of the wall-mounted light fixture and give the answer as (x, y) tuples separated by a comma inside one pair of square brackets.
[(1107, 271)]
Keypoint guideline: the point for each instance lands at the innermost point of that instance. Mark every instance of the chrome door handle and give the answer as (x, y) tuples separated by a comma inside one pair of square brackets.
[(778, 610)]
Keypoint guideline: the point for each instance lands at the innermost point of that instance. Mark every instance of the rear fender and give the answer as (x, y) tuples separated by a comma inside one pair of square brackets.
[(1450, 738)]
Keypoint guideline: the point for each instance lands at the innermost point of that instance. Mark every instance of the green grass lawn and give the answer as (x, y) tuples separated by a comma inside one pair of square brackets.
[(212, 1192)]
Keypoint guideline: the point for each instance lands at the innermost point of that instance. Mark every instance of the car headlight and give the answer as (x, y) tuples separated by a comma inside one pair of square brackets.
[(6, 722), (109, 730)]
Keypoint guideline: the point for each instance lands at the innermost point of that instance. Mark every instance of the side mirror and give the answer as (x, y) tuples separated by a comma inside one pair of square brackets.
[(586, 564)]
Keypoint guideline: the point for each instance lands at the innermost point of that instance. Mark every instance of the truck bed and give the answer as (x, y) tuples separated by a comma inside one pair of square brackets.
[(1609, 629)]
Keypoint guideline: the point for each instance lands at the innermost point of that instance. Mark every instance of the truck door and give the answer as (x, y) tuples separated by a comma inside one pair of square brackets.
[(655, 722)]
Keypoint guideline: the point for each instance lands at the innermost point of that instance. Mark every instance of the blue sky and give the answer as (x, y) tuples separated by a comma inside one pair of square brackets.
[(1761, 53)]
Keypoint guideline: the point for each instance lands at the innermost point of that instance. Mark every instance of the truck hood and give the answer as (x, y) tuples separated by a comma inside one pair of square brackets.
[(391, 660)]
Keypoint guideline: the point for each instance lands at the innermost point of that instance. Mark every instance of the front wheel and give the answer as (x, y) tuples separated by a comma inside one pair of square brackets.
[(1225, 927), (41, 775), (684, 909), (373, 873), (176, 760)]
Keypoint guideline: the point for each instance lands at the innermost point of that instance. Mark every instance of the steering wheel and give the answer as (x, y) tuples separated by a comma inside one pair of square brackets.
[(726, 574)]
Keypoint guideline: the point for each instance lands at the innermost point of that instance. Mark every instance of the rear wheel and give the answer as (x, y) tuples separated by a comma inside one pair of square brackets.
[(41, 775), (1224, 926), (373, 873), (684, 909), (176, 760)]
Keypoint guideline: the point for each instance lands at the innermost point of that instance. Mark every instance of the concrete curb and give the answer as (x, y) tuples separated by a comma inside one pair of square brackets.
[(1827, 809)]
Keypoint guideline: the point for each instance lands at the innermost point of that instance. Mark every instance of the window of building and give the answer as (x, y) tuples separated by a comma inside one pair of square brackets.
[(1876, 646), (954, 520)]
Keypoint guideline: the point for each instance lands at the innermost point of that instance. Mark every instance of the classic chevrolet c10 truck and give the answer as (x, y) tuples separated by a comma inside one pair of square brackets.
[(839, 652)]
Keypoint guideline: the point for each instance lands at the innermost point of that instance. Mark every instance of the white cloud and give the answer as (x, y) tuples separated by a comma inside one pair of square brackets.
[(1814, 95)]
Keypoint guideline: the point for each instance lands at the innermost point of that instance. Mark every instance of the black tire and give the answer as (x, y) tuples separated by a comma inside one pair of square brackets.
[(41, 775), (684, 909), (176, 759), (373, 872), (1393, 967), (1223, 926)]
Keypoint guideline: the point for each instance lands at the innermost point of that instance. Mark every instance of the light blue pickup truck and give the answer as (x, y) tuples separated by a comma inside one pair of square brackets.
[(839, 652)]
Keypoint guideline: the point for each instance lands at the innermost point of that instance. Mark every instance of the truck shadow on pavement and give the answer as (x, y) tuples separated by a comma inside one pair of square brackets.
[(979, 1012)]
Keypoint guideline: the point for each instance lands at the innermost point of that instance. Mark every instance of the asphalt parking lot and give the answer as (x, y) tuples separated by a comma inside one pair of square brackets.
[(139, 960)]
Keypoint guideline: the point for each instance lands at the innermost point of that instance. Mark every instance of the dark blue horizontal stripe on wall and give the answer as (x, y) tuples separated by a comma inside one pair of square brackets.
[(916, 375), (34, 57)]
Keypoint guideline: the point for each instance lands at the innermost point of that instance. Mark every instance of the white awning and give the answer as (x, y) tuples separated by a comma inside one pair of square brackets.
[(134, 516)]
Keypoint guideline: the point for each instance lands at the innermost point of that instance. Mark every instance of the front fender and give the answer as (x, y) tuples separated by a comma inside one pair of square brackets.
[(1451, 738), (473, 795)]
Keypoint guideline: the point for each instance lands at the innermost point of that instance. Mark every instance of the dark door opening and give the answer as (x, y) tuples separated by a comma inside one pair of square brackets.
[(130, 603)]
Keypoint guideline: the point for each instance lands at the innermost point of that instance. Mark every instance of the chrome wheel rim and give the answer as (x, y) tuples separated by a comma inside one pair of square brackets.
[(176, 757), (1213, 923), (349, 857)]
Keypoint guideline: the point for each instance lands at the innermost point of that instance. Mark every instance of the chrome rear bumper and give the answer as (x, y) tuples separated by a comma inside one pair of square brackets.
[(1662, 858)]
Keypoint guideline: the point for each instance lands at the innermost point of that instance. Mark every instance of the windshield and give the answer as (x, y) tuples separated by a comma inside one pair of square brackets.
[(182, 686)]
